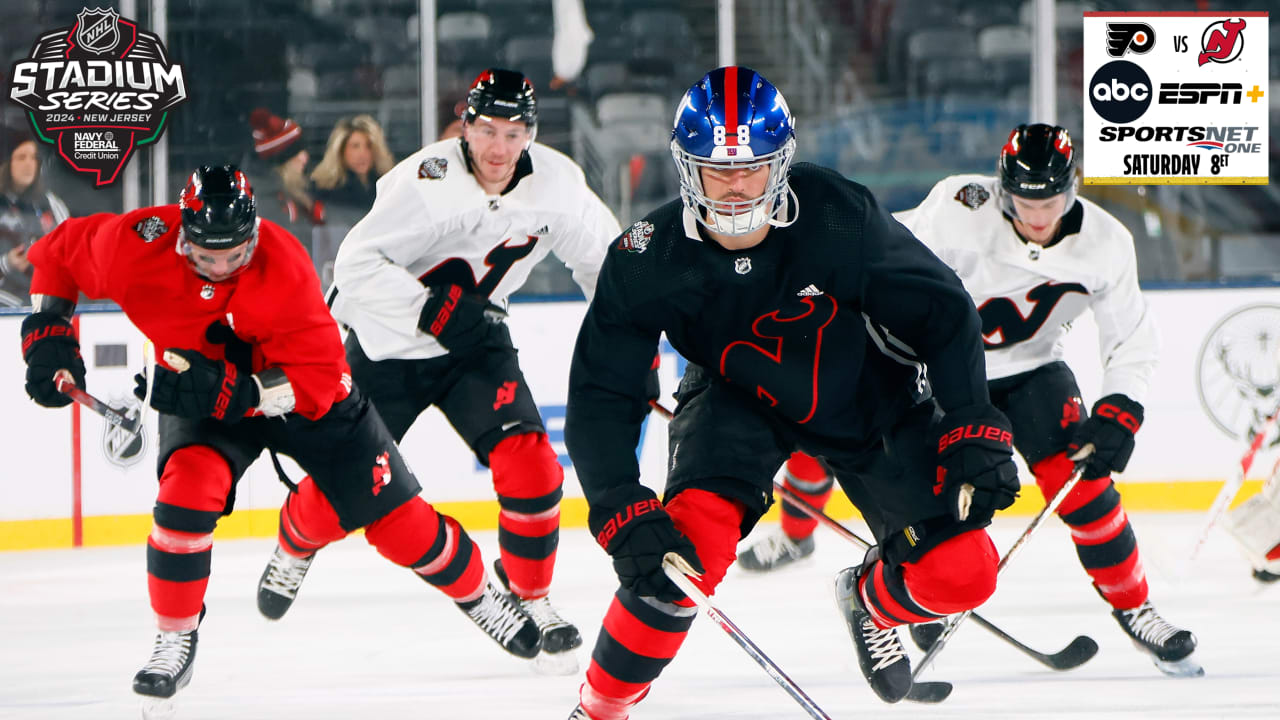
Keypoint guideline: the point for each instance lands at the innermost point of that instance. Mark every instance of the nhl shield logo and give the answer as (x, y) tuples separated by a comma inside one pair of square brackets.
[(972, 196), (97, 30), (637, 238), (150, 228), (742, 265), (433, 168), (120, 447)]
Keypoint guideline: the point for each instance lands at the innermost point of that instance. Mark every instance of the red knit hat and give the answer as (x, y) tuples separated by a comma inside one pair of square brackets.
[(271, 135)]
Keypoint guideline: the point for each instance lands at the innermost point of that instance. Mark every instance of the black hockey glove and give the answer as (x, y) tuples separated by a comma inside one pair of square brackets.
[(1110, 428), (49, 344), (203, 388), (458, 319), (975, 463), (632, 526)]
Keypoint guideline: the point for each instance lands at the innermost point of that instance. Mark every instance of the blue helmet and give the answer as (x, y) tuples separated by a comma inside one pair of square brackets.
[(733, 117)]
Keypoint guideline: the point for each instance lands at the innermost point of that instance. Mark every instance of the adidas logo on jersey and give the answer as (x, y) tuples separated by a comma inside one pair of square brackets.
[(810, 291)]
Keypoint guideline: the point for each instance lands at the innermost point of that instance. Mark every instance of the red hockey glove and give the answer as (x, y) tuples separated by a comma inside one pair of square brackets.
[(203, 388), (632, 526), (1110, 428), (975, 463), (458, 319), (49, 344)]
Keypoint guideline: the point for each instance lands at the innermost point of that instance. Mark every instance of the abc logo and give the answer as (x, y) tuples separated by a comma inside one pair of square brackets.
[(1120, 92)]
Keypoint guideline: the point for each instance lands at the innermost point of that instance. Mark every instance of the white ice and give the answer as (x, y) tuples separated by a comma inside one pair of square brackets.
[(369, 640)]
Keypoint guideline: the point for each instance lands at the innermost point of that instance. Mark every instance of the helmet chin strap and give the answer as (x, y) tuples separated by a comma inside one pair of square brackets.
[(756, 218)]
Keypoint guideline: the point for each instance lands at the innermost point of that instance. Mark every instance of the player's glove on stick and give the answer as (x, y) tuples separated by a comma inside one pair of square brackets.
[(975, 463), (49, 344), (458, 319), (633, 527), (1110, 428), (203, 388)]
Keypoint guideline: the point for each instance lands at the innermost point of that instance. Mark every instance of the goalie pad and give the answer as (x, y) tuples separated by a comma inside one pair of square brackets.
[(1255, 524)]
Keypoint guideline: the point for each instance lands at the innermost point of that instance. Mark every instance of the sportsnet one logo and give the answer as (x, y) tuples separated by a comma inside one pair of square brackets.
[(97, 89)]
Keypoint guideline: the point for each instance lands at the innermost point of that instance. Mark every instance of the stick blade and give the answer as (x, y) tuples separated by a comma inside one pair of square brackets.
[(929, 692), (1078, 652)]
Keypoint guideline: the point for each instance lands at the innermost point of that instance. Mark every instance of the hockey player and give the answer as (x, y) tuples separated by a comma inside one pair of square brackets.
[(252, 360), (456, 228), (1034, 257), (1255, 524), (795, 297)]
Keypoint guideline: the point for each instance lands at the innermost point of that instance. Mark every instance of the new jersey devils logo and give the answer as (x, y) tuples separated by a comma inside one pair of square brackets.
[(1003, 323), (786, 347), (499, 261), (1221, 42), (381, 472)]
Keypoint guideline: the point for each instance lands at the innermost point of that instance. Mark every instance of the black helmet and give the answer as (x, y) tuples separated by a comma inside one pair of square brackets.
[(1038, 161), (218, 209), (499, 93)]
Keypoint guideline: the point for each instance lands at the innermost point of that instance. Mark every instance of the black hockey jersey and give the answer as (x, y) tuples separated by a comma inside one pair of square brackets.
[(834, 323)]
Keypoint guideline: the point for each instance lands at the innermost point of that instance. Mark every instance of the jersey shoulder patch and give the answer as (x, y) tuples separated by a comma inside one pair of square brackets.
[(636, 238), (150, 228), (972, 196), (433, 168)]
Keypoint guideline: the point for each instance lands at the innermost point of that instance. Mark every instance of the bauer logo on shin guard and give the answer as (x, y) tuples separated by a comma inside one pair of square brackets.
[(624, 516)]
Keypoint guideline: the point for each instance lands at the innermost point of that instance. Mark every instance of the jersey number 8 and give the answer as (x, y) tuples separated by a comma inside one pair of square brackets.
[(744, 135)]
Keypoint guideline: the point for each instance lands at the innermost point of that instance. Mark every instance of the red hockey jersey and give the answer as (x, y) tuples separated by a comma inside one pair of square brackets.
[(275, 304)]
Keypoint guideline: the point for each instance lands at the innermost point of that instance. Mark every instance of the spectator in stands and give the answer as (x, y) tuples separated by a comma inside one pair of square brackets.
[(356, 156), (286, 195), (27, 212)]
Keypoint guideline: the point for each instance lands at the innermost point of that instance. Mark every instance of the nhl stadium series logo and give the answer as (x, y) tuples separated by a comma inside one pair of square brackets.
[(97, 90)]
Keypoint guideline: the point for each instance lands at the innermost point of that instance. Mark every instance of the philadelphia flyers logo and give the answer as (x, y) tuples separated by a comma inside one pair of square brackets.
[(786, 345), (500, 259), (1003, 324)]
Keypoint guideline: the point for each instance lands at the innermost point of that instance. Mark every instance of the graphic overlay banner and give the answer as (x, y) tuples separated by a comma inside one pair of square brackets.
[(97, 90), (1176, 98)]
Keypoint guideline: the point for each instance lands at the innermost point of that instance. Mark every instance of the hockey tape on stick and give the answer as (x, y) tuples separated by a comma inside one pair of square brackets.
[(116, 416), (149, 362), (1011, 553), (680, 572)]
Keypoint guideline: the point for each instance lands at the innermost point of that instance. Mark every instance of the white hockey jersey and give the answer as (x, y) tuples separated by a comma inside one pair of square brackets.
[(1028, 295), (432, 222)]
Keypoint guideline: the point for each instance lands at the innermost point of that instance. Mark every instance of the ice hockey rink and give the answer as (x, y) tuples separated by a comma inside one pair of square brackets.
[(369, 640)]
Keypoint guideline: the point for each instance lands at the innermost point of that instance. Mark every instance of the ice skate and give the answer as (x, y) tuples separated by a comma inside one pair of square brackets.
[(881, 656), (504, 621), (579, 713), (775, 550), (168, 671), (1265, 576), (559, 637), (1170, 648), (280, 581)]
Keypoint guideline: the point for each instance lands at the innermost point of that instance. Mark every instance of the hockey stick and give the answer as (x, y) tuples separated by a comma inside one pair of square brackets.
[(680, 572), (1078, 652), (120, 418), (1232, 486), (1012, 552)]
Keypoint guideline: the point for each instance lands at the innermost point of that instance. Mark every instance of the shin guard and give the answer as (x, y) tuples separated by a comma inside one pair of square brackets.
[(641, 636), (433, 545), (307, 521), (527, 478), (957, 575), (193, 492), (1104, 539), (806, 477)]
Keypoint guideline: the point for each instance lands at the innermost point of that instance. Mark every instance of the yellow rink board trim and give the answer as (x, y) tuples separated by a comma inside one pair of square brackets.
[(1186, 496)]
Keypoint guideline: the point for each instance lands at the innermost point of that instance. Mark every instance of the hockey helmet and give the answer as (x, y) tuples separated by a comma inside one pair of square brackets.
[(500, 93), (218, 213), (733, 117), (1037, 162)]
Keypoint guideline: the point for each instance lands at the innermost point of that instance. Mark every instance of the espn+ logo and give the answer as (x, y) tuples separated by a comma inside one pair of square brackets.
[(1120, 92)]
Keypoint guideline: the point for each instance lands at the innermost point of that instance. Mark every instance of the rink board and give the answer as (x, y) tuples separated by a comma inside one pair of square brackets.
[(1179, 464)]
